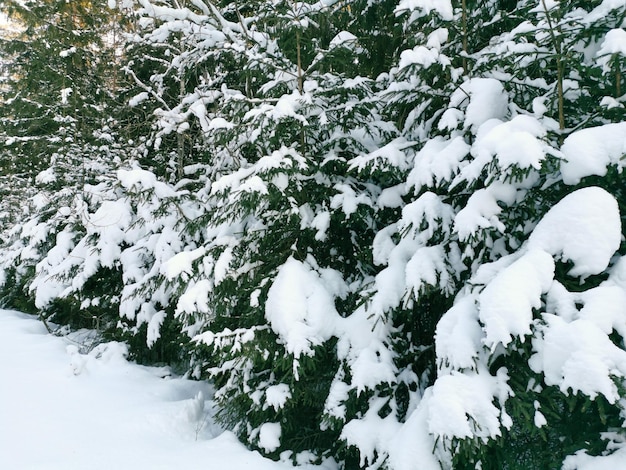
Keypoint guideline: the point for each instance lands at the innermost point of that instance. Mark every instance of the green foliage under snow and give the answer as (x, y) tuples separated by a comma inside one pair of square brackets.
[(389, 233)]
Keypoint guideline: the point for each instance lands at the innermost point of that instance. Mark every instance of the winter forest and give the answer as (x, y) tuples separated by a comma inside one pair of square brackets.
[(387, 232)]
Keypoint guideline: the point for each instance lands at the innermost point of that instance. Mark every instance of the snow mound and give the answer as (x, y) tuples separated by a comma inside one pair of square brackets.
[(584, 228), (300, 307), (507, 303), (590, 151), (63, 409)]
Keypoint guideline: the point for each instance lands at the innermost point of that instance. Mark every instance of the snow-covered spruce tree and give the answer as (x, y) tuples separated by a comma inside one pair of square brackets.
[(89, 253), (572, 45), (60, 134), (494, 222), (80, 149), (292, 250), (47, 116), (236, 112), (562, 58), (278, 126), (411, 269), (295, 192), (183, 59), (181, 66), (8, 182)]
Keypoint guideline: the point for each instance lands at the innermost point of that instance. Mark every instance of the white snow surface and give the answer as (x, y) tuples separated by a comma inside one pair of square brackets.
[(590, 151), (578, 356), (514, 143), (438, 161), (422, 56), (269, 436), (483, 99), (343, 39), (458, 336), (506, 304), (63, 410), (614, 44), (300, 306), (442, 7), (482, 209), (462, 405), (412, 447), (584, 227)]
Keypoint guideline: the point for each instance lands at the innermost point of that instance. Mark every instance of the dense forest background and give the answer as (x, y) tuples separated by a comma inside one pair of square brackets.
[(387, 232)]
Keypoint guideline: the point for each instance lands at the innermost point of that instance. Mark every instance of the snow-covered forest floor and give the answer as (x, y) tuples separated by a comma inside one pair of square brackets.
[(61, 409)]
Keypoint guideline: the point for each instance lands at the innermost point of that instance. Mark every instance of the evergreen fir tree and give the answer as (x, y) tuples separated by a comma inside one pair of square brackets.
[(387, 240), (490, 157), (59, 136), (50, 114)]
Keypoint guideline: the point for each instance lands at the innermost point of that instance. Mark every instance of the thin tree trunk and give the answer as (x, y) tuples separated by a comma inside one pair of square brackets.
[(464, 26), (560, 67), (180, 144), (299, 59), (300, 87)]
